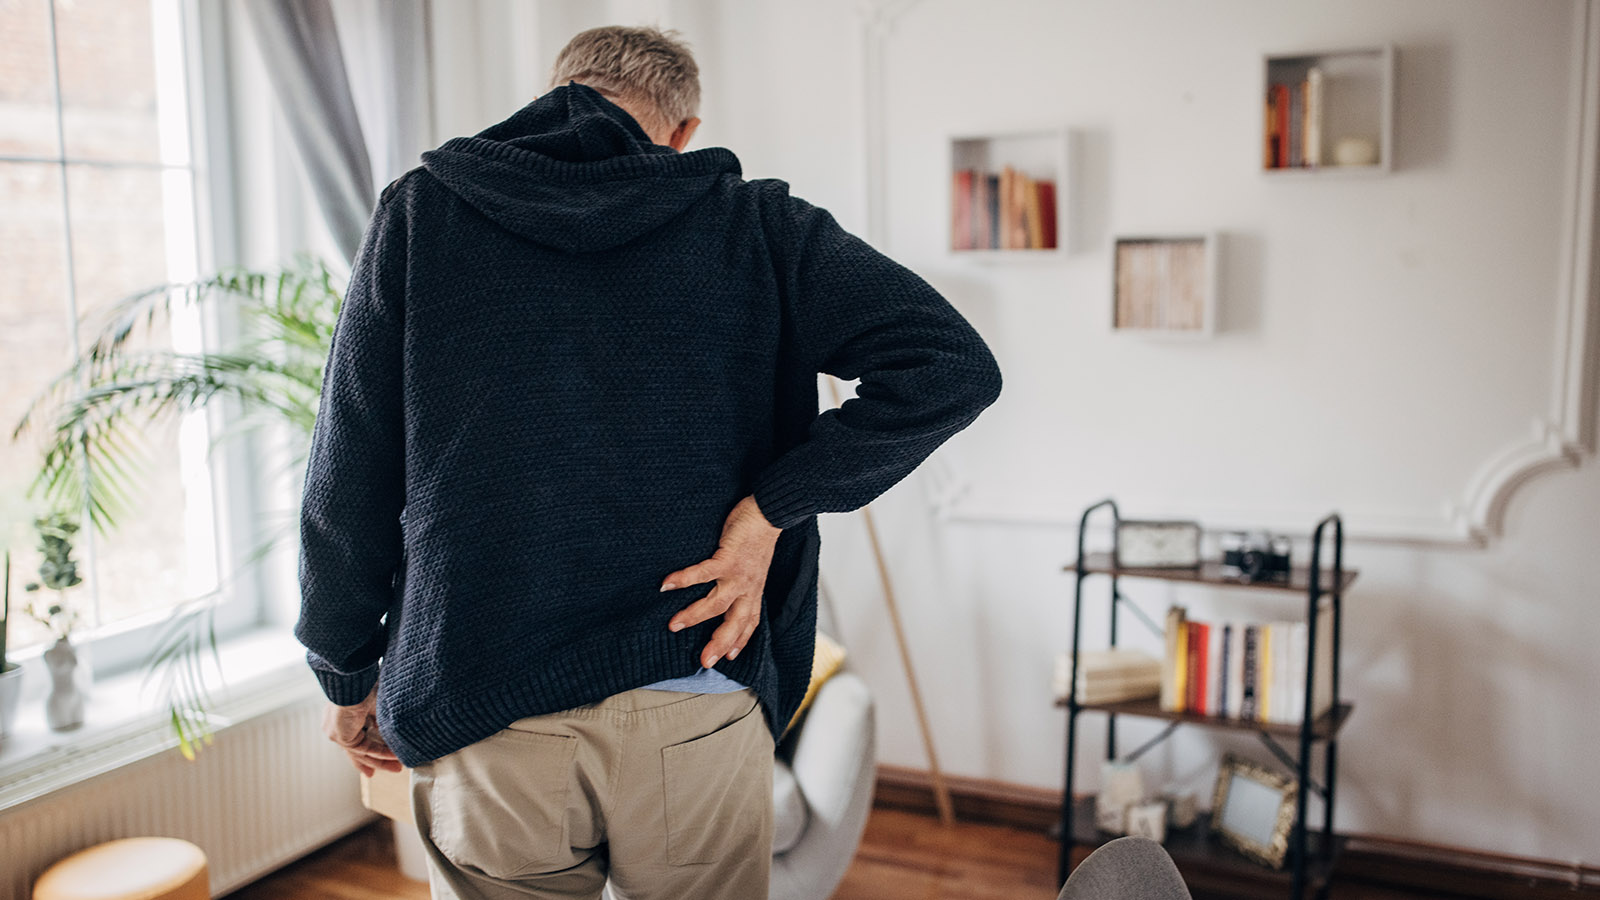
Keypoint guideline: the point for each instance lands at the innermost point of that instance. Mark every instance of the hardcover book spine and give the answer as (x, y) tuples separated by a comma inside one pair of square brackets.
[(1214, 669), (1196, 652), (1280, 102), (1323, 693), (1224, 682), (1282, 674), (961, 210), (1313, 139), (1247, 704), (1297, 120), (1035, 216), (1296, 701), (1236, 670), (1007, 202), (1169, 661), (1047, 213), (1264, 669), (1269, 129), (992, 219)]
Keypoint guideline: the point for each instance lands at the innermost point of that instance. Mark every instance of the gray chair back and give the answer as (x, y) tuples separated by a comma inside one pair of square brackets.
[(1128, 868)]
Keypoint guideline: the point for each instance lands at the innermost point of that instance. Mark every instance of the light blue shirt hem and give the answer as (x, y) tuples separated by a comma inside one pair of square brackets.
[(705, 681)]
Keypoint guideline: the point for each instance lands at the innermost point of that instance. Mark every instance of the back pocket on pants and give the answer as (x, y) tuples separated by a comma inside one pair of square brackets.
[(500, 805), (717, 785)]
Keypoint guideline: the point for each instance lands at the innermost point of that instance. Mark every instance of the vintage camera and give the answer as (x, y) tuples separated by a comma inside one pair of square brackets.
[(1255, 556)]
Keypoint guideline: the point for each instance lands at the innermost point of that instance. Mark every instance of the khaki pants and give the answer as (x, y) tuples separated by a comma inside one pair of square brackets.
[(667, 794)]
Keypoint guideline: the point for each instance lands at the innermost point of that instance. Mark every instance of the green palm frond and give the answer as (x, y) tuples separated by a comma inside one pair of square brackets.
[(92, 420)]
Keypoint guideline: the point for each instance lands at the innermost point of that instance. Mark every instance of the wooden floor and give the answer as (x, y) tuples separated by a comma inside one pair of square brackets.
[(903, 856)]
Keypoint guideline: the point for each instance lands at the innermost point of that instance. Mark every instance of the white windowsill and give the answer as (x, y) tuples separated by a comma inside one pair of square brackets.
[(262, 670)]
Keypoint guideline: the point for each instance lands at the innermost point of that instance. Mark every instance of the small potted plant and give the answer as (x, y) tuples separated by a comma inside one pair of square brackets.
[(57, 572), (10, 672)]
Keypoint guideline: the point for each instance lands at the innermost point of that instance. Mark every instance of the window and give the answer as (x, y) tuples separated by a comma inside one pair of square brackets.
[(99, 182)]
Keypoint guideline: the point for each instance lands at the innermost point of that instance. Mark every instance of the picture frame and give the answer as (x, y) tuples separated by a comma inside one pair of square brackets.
[(1252, 810)]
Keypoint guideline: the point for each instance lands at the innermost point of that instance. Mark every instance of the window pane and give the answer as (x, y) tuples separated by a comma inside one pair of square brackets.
[(124, 241), (27, 104), (108, 79), (34, 345)]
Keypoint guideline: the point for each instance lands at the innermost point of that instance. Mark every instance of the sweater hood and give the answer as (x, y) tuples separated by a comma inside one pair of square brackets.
[(574, 171)]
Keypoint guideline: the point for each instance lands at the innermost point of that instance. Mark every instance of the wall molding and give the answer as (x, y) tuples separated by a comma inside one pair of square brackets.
[(1561, 438), (1392, 862), (1567, 435), (877, 18)]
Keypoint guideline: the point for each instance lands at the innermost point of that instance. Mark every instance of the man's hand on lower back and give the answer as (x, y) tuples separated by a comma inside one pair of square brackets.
[(739, 568)]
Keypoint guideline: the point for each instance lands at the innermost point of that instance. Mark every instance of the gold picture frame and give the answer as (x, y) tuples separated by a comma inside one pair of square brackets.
[(1252, 810)]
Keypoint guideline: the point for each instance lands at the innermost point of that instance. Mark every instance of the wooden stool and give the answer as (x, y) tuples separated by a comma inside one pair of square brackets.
[(142, 868)]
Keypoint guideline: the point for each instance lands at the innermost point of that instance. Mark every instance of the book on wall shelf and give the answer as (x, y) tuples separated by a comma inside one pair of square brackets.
[(1328, 112), (1006, 192), (1165, 285), (1249, 671)]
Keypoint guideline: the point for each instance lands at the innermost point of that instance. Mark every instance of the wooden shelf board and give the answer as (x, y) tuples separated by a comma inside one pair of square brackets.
[(1203, 859), (1210, 572), (1326, 726)]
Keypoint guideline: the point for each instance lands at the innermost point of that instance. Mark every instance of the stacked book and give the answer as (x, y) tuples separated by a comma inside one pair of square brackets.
[(1110, 676), (1294, 123), (1004, 211), (1245, 670)]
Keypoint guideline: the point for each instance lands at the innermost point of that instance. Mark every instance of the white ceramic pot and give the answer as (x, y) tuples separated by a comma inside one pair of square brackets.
[(10, 693), (1355, 151)]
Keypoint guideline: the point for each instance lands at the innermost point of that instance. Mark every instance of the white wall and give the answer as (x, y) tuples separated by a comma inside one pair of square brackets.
[(1383, 340)]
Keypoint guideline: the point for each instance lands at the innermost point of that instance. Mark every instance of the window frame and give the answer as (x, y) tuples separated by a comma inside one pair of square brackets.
[(121, 646)]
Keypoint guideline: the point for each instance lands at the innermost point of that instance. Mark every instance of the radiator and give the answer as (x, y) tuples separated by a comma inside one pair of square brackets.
[(270, 789)]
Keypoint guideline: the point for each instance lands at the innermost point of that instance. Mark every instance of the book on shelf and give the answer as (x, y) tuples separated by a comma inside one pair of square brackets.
[(1109, 676), (991, 229), (1254, 671), (1280, 114), (1047, 213), (1297, 120), (1314, 101), (1269, 129), (1031, 209), (1293, 125), (1005, 210), (961, 219)]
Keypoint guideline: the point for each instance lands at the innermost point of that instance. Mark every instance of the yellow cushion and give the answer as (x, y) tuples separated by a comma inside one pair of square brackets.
[(143, 868), (827, 660)]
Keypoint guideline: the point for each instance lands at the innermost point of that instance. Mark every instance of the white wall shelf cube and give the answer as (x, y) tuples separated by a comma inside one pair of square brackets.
[(1349, 129), (1165, 286), (1041, 155)]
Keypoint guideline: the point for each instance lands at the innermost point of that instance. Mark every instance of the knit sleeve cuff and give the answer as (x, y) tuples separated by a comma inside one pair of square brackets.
[(781, 500), (343, 688)]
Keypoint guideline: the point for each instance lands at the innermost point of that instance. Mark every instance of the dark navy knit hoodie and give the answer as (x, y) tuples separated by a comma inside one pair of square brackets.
[(565, 354)]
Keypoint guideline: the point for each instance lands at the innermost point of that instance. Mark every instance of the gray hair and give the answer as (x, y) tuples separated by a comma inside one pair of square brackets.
[(647, 68)]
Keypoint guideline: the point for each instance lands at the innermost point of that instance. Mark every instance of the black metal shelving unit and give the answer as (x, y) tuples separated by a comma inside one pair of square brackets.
[(1312, 854)]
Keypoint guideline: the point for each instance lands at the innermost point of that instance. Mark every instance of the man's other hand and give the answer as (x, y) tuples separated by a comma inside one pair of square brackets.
[(355, 728), (739, 567)]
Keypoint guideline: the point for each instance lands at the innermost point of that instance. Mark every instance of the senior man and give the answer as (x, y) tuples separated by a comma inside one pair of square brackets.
[(559, 534)]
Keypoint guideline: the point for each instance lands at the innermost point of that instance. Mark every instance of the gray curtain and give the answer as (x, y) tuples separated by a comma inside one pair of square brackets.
[(356, 107)]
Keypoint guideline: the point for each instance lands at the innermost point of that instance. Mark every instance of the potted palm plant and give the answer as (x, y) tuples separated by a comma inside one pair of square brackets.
[(91, 416), (10, 672)]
